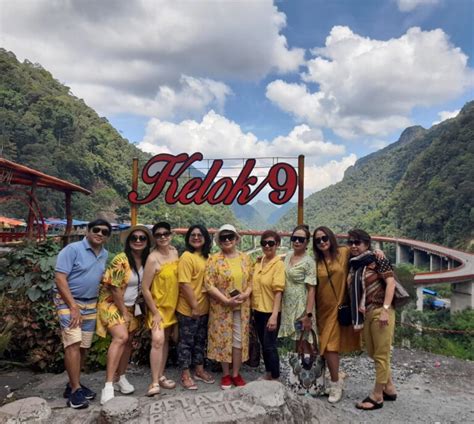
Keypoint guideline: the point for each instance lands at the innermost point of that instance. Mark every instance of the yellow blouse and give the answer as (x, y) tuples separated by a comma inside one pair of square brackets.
[(191, 268), (266, 282)]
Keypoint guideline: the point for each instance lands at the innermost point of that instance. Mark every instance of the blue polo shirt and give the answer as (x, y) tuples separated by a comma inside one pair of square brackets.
[(83, 268)]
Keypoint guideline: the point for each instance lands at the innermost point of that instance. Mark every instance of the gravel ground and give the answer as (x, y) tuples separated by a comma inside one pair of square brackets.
[(431, 389)]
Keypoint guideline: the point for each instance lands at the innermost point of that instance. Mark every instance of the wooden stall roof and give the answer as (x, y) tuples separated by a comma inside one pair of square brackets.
[(20, 174)]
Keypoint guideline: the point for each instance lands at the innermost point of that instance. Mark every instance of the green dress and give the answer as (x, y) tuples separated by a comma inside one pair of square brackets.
[(294, 296)]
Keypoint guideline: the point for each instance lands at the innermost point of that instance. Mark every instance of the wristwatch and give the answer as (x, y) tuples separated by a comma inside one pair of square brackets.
[(309, 315), (386, 307)]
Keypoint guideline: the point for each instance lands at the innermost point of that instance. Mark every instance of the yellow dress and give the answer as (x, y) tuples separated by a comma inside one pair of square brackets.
[(165, 292), (332, 336)]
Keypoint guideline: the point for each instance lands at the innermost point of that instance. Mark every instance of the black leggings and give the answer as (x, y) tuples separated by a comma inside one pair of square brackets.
[(268, 341)]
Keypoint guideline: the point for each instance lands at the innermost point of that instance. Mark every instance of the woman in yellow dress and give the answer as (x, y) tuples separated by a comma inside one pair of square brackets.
[(332, 269), (228, 281), (117, 310), (160, 290)]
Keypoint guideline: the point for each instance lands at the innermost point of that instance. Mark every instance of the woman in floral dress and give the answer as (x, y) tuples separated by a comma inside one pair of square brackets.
[(228, 280), (299, 296), (117, 309)]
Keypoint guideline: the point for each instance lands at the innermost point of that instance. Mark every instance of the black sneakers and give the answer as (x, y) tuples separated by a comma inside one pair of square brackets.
[(77, 400), (88, 393)]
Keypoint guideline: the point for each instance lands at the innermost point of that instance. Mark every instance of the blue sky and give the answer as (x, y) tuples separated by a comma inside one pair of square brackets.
[(334, 80)]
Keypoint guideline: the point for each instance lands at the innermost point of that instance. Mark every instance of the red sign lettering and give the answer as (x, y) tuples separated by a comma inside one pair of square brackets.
[(165, 170)]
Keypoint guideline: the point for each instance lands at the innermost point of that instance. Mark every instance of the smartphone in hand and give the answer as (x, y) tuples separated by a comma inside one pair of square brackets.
[(234, 293)]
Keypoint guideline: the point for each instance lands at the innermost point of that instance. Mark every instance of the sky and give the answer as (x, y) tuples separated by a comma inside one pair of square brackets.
[(333, 80)]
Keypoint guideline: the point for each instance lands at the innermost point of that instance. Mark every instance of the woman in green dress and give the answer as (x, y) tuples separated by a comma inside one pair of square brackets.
[(300, 286)]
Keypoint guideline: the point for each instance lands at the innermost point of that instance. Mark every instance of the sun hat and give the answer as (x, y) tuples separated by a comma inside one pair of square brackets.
[(127, 232), (228, 228)]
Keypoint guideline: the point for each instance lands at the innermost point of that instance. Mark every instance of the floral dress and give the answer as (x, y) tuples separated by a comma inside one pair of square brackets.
[(118, 275), (295, 294), (218, 274), (165, 292)]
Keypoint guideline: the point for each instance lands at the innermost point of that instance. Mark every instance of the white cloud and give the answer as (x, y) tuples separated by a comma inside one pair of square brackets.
[(446, 114), (318, 177), (409, 5), (139, 55), (217, 137), (191, 98), (369, 87)]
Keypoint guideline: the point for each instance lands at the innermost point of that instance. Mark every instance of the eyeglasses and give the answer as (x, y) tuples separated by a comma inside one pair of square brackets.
[(104, 231), (354, 242), (323, 239), (162, 235), (135, 238), (298, 239), (196, 235), (270, 243), (226, 237)]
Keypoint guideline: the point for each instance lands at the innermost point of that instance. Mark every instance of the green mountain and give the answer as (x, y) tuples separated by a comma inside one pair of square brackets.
[(421, 186), (43, 126)]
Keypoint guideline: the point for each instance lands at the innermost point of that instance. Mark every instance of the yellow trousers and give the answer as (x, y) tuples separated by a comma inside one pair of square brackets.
[(378, 342)]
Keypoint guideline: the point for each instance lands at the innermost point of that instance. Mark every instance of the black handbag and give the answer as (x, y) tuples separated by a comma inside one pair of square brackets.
[(344, 316)]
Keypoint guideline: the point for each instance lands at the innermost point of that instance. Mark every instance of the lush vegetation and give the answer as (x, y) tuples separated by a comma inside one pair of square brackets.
[(418, 187), (42, 125)]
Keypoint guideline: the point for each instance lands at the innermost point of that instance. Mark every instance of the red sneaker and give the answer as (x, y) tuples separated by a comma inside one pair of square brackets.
[(226, 382), (238, 381)]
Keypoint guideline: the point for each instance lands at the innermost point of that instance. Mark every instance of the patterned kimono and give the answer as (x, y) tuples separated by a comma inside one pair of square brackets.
[(218, 274), (118, 275)]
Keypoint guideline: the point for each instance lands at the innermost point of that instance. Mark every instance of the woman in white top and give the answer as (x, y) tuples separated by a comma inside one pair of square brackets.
[(118, 311)]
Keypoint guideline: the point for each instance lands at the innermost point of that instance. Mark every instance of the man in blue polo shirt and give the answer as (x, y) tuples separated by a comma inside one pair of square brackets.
[(79, 270)]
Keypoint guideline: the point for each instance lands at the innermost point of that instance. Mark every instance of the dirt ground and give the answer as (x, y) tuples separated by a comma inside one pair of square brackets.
[(432, 389)]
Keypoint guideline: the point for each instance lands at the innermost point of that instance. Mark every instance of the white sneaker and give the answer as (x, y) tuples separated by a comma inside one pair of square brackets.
[(335, 392), (107, 394), (124, 386)]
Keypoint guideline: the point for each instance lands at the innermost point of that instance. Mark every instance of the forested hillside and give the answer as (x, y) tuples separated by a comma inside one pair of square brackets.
[(421, 186), (42, 125)]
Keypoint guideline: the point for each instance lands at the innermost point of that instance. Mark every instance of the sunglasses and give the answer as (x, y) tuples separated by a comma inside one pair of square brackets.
[(104, 231), (298, 239), (270, 243), (323, 239), (226, 237), (354, 242), (136, 238), (162, 235), (196, 235)]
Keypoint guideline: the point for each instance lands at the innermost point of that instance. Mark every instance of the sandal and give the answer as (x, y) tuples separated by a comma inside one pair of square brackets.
[(153, 389), (165, 383), (389, 397), (188, 383), (205, 378), (368, 399)]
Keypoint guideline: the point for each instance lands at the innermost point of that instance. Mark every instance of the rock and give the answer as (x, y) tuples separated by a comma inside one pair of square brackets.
[(31, 410), (261, 402), (120, 409)]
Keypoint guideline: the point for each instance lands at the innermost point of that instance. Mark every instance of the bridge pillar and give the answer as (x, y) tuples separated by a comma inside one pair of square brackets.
[(402, 255), (419, 298), (450, 263), (378, 245), (462, 296), (421, 259), (435, 263)]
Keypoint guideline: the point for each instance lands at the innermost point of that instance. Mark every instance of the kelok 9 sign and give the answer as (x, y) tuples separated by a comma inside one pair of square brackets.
[(164, 170)]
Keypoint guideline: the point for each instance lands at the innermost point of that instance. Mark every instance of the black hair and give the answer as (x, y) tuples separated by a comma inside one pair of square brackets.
[(97, 222), (206, 248), (303, 227), (271, 233), (358, 234), (145, 252), (161, 224), (332, 243)]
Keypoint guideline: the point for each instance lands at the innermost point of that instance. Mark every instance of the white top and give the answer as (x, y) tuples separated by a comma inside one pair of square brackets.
[(131, 292)]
